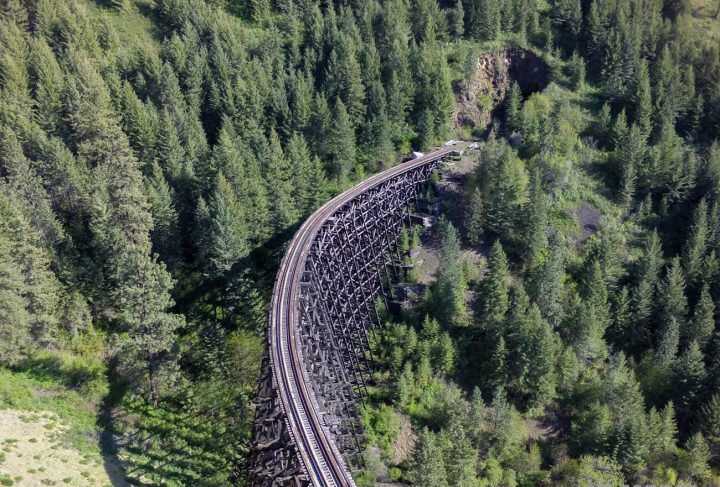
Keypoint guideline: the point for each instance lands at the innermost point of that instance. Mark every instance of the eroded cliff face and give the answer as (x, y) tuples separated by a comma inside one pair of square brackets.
[(478, 99)]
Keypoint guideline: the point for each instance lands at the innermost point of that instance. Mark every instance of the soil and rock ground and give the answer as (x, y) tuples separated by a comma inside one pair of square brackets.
[(49, 435)]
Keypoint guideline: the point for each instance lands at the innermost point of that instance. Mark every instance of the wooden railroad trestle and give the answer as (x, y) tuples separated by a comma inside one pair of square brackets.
[(352, 260)]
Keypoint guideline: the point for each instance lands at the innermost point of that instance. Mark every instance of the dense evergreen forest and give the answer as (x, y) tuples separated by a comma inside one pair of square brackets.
[(155, 155)]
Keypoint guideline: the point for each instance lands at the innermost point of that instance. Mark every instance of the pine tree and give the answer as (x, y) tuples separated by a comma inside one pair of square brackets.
[(671, 300), (595, 294), (668, 344), (474, 218), (478, 415), (663, 429), (702, 324), (540, 379), (451, 285), (144, 299), (689, 376), (484, 19), (343, 79), (695, 247), (47, 82), (16, 320), (577, 71), (547, 282), (632, 157), (513, 107), (504, 189), (643, 108), (498, 375), (341, 143), (622, 320), (644, 292), (625, 399), (279, 180), (298, 156), (698, 456), (227, 239), (568, 14), (591, 429), (536, 220), (164, 235), (494, 299), (377, 133), (503, 425), (434, 99), (460, 459), (457, 20), (427, 466), (620, 129), (710, 421), (590, 347)]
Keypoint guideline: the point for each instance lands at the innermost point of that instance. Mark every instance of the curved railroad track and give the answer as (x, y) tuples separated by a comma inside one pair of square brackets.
[(319, 456)]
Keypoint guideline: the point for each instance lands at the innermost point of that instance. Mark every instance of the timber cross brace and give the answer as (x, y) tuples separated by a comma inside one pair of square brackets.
[(307, 428)]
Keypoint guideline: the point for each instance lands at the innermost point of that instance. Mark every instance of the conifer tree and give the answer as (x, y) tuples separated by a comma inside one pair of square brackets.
[(279, 180), (227, 239), (47, 82), (590, 431), (621, 319), (474, 218), (460, 459), (484, 19), (494, 299), (702, 324), (434, 100), (164, 235), (695, 247), (298, 156), (478, 415), (451, 285), (536, 220), (620, 129), (596, 294), (710, 421), (689, 377), (668, 344), (671, 300), (498, 366), (698, 456), (513, 107), (642, 100), (457, 20), (29, 290), (341, 143), (427, 466), (643, 294), (577, 71), (547, 282), (144, 300), (632, 157)]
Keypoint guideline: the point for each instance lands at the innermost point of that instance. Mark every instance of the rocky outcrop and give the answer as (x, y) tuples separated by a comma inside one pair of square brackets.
[(478, 98)]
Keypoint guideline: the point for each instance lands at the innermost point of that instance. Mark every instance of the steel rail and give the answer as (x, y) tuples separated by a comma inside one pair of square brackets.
[(318, 454)]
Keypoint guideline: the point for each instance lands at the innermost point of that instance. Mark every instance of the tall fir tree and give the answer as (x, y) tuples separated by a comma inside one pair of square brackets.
[(494, 300), (427, 466)]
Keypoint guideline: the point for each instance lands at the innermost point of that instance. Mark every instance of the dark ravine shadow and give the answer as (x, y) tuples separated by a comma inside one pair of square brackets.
[(261, 264), (108, 444)]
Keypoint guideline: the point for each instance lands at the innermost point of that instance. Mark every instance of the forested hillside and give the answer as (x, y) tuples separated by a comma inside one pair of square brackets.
[(569, 335), (156, 155)]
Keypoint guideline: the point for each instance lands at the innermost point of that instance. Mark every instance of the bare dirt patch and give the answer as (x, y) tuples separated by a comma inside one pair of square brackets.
[(32, 453)]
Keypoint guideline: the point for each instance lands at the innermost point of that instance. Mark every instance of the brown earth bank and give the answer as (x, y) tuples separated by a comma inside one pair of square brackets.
[(478, 98)]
